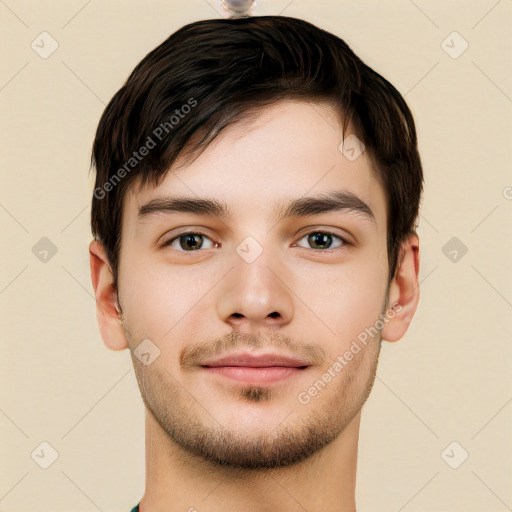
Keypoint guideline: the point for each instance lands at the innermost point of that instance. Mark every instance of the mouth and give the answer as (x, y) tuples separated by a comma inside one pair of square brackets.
[(256, 369)]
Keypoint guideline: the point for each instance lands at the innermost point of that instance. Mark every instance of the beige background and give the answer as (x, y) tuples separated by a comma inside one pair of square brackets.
[(448, 380)]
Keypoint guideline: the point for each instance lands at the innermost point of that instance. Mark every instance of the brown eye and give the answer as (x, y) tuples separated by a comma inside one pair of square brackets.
[(323, 240), (190, 242)]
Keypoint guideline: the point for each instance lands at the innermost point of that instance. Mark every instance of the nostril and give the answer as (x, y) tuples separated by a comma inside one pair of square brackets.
[(275, 314)]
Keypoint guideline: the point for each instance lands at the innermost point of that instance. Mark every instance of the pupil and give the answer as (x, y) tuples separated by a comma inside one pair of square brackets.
[(320, 239), (191, 241)]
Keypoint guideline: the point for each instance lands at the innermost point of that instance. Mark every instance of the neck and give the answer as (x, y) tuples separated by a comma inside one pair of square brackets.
[(179, 481)]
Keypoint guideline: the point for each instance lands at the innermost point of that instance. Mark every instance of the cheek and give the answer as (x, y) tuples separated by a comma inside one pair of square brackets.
[(159, 299), (346, 298)]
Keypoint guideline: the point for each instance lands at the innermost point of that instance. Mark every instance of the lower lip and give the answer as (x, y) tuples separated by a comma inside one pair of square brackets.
[(254, 375)]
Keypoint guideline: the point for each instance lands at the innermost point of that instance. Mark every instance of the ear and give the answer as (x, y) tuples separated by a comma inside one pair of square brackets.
[(107, 308), (404, 290)]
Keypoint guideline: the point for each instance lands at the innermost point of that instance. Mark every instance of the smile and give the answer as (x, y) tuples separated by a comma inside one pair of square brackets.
[(254, 375)]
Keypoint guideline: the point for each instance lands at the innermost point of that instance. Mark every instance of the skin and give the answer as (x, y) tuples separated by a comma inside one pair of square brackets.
[(213, 443)]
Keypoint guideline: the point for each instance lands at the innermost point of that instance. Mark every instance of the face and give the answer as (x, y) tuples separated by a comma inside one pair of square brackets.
[(262, 268)]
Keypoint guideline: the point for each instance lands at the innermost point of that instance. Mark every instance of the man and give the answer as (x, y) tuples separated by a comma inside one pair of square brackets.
[(254, 218)]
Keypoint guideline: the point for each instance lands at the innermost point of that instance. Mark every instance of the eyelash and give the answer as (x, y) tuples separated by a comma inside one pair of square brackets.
[(344, 242)]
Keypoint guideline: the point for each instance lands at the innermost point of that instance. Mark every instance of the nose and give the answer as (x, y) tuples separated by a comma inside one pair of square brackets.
[(256, 294)]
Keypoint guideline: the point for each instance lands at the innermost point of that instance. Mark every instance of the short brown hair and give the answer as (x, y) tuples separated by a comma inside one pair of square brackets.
[(213, 73)]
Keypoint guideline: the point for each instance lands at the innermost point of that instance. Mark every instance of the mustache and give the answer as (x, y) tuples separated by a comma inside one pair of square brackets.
[(191, 355)]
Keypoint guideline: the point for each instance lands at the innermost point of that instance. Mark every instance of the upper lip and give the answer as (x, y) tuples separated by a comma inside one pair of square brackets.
[(257, 360)]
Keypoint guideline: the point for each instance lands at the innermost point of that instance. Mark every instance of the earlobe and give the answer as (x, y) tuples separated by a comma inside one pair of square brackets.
[(107, 310), (404, 291)]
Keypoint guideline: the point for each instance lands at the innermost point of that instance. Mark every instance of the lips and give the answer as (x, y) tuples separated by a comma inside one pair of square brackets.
[(262, 369), (256, 361)]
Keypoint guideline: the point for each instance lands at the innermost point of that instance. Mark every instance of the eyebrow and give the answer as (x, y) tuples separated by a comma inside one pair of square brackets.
[(341, 200)]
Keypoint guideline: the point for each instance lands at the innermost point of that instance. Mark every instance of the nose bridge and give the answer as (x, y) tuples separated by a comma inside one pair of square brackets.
[(253, 293)]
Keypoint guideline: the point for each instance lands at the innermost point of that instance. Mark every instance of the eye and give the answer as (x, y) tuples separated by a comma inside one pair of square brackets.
[(322, 240), (190, 242)]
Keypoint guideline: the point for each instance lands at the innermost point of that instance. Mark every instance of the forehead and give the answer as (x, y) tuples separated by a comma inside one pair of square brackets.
[(287, 150)]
